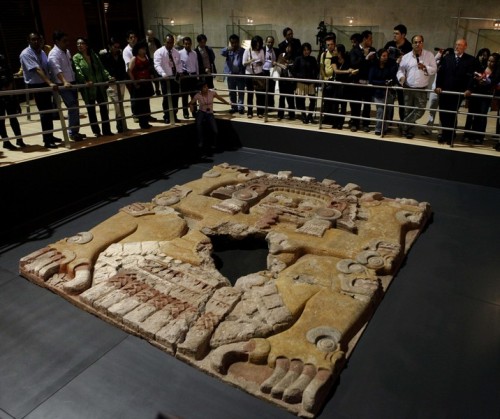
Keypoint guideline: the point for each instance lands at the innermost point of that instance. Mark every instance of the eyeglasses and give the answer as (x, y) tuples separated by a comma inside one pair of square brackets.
[(418, 42)]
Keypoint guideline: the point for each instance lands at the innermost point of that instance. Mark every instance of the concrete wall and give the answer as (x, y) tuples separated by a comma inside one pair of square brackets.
[(431, 18)]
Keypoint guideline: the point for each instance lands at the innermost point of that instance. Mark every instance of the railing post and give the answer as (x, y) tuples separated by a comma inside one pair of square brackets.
[(265, 100), (121, 117), (64, 128), (321, 105), (171, 113)]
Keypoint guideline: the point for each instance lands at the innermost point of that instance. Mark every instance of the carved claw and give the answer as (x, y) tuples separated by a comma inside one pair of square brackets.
[(81, 281), (291, 381), (295, 382), (44, 263), (255, 351)]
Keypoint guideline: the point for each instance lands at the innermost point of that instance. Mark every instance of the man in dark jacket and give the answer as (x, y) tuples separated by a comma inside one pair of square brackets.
[(206, 60), (454, 81)]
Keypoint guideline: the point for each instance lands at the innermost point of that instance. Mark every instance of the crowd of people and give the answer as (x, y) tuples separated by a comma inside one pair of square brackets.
[(403, 71), (365, 78)]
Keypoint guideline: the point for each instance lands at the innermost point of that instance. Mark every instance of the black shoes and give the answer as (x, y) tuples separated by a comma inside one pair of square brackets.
[(77, 137), (9, 146), (50, 145)]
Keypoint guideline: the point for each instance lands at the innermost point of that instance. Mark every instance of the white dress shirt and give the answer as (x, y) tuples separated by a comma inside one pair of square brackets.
[(270, 59), (408, 68), (165, 66), (127, 56), (60, 62), (189, 61)]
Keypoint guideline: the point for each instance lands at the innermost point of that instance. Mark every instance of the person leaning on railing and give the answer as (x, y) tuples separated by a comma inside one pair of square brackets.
[(89, 70), (8, 106), (139, 69), (115, 65), (34, 63), (306, 67)]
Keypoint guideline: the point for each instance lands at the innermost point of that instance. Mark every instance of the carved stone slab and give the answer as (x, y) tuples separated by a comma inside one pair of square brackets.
[(283, 334)]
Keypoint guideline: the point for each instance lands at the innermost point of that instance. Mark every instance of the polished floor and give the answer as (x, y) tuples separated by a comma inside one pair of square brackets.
[(432, 349)]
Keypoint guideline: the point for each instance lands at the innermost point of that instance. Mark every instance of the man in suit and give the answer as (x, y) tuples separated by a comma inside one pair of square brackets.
[(456, 74), (294, 43)]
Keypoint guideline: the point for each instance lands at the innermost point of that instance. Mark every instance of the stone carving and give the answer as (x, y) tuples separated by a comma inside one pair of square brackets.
[(282, 334)]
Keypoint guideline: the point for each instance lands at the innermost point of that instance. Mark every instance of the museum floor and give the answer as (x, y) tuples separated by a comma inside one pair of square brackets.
[(432, 349)]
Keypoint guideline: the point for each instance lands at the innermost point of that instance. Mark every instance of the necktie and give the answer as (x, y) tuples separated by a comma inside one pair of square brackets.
[(457, 59), (174, 70)]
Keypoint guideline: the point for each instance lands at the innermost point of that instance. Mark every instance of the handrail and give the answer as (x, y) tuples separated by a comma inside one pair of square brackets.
[(321, 100)]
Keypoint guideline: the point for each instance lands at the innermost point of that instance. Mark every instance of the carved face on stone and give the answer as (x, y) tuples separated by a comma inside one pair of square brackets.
[(332, 251)]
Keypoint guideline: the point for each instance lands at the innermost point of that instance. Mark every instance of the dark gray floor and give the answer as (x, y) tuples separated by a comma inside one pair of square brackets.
[(432, 349)]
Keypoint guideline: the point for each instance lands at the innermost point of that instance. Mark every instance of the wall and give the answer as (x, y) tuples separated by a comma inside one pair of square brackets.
[(67, 15), (428, 17)]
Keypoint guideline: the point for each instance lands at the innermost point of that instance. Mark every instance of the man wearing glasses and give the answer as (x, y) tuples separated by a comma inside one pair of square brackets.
[(415, 69)]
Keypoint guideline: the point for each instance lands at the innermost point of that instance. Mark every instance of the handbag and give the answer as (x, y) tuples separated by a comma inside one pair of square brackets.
[(259, 83)]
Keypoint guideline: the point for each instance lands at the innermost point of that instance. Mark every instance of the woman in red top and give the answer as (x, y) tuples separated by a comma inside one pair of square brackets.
[(140, 69)]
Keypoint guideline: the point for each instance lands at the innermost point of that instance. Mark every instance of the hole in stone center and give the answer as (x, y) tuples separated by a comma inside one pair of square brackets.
[(235, 258)]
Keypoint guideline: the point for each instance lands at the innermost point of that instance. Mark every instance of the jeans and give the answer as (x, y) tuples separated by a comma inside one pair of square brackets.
[(70, 99), (208, 118), (236, 86), (383, 114)]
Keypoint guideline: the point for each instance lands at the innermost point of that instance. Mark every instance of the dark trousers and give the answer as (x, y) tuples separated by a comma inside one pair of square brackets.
[(174, 91), (205, 118), (131, 91), (481, 106), (339, 107), (261, 98), (103, 109), (450, 103), (286, 88), (301, 105), (188, 89), (44, 102), (364, 94), (142, 106), (9, 106)]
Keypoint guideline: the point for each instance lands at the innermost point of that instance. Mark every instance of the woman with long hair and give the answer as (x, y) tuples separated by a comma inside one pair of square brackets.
[(253, 60), (383, 74), (140, 69), (306, 67), (343, 73)]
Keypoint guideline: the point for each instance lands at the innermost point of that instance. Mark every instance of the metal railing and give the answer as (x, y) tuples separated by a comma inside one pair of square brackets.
[(118, 101)]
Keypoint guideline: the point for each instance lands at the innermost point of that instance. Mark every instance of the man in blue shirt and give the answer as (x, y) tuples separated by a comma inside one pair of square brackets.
[(36, 74), (234, 65)]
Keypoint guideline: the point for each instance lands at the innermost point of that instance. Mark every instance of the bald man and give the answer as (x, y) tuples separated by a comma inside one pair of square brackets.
[(454, 82)]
